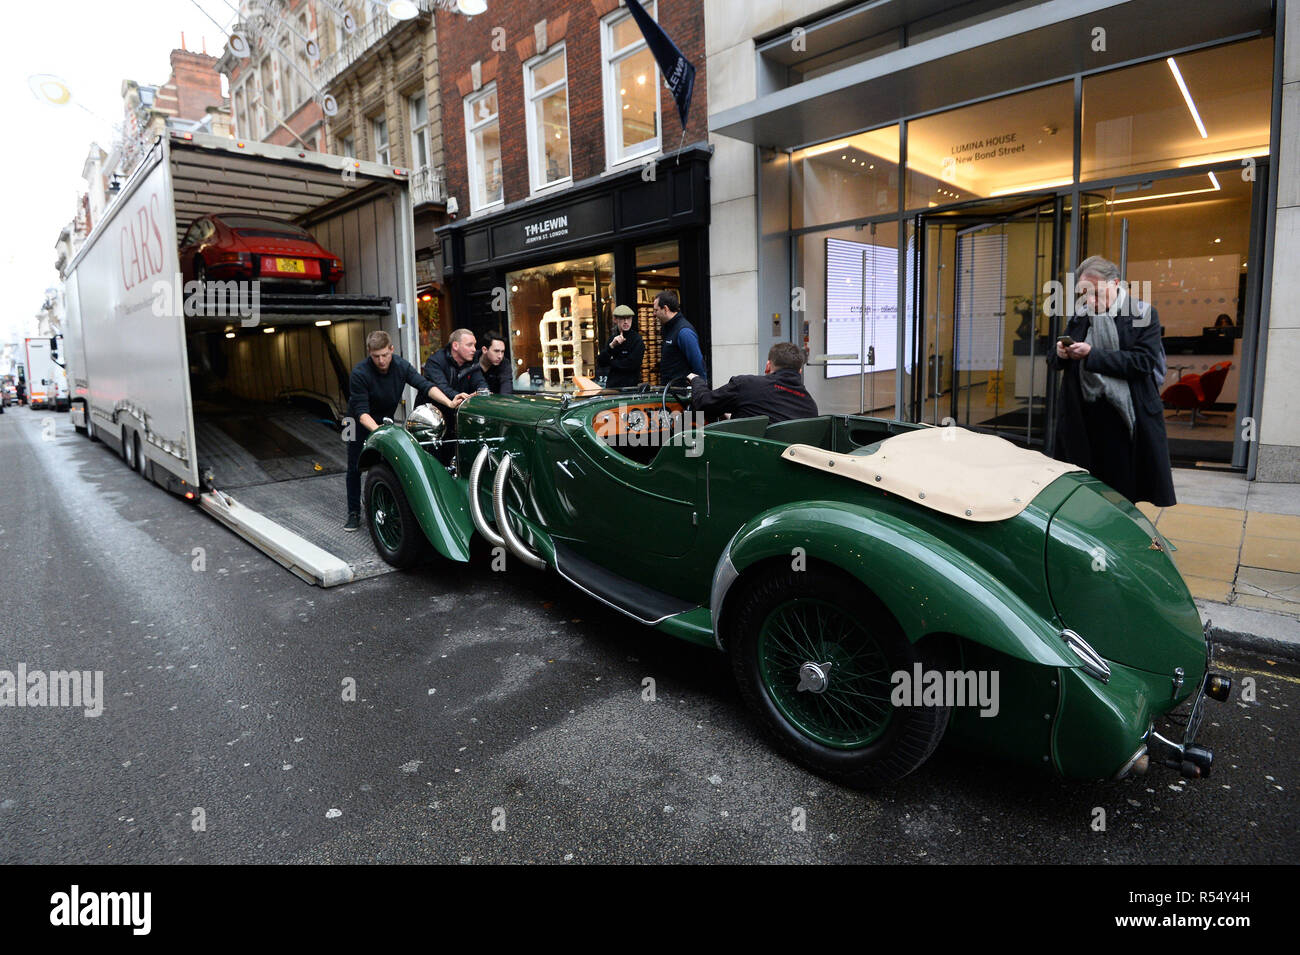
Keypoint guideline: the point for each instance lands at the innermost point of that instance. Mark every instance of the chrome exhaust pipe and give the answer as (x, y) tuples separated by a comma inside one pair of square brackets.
[(517, 546), (475, 509)]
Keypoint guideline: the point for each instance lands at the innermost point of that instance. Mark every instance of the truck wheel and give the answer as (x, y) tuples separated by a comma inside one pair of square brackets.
[(141, 462), (393, 527), (128, 449), (813, 652), (90, 426)]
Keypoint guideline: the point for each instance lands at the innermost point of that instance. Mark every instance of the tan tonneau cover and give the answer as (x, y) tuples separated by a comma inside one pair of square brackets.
[(977, 477)]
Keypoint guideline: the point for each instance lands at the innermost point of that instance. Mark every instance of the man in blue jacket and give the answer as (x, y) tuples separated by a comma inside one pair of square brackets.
[(681, 354)]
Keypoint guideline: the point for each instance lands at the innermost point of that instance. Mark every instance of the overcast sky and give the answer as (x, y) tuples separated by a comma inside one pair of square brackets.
[(92, 45)]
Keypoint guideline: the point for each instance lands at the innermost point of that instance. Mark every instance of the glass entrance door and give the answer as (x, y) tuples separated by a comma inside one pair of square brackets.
[(980, 335)]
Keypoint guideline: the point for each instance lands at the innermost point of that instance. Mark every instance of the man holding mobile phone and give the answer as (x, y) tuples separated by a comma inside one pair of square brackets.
[(1110, 418)]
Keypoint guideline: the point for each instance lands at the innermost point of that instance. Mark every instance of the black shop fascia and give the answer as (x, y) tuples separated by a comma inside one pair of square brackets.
[(614, 239)]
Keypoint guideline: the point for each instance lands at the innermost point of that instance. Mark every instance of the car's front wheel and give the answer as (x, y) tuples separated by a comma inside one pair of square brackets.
[(393, 526), (814, 652)]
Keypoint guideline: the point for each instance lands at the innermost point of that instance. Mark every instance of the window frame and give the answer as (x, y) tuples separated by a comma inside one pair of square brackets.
[(382, 154), (472, 164), (536, 144), (420, 132), (610, 58)]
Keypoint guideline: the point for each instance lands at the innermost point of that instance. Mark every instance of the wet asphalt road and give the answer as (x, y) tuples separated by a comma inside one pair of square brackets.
[(481, 698)]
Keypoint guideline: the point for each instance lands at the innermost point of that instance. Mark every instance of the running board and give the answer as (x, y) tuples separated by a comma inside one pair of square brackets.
[(299, 555), (643, 604)]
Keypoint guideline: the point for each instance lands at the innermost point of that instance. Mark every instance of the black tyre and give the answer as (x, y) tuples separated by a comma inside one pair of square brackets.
[(141, 461), (393, 527), (837, 720), (128, 448), (91, 433)]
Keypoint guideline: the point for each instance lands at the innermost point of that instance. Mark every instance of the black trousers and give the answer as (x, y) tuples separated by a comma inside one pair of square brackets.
[(354, 476)]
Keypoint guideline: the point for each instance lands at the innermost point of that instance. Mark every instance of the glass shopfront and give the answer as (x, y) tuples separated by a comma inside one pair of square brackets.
[(922, 252), (548, 273)]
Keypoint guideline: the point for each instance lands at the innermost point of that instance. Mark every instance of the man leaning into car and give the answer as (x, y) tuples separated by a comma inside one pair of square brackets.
[(778, 392), (374, 391)]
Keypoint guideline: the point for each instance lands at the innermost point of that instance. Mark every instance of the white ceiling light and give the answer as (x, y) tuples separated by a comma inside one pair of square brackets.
[(1191, 106)]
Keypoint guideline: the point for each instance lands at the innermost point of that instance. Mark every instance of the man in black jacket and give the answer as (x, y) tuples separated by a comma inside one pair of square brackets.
[(374, 390), (778, 392), (1110, 418), (622, 356), (454, 373)]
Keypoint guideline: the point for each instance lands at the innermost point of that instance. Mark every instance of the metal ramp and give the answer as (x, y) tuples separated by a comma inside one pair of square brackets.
[(280, 475)]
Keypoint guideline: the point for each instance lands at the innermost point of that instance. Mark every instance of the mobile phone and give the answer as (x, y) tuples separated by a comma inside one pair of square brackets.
[(1065, 340)]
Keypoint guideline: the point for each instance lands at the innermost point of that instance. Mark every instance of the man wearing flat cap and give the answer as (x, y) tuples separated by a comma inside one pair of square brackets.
[(622, 356)]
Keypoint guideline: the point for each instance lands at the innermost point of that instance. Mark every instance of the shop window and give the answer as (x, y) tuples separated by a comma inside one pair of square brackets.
[(419, 109), (1194, 109), (379, 133), (483, 149), (632, 127), (657, 270), (554, 320), (546, 85), (1018, 143), (850, 278), (853, 178)]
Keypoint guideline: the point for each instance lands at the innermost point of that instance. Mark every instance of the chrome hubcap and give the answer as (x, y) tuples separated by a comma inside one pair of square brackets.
[(379, 517), (814, 677)]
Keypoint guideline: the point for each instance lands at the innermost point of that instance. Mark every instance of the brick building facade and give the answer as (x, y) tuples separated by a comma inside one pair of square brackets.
[(630, 190)]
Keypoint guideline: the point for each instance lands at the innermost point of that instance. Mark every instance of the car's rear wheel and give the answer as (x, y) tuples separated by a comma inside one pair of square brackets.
[(814, 652), (393, 527)]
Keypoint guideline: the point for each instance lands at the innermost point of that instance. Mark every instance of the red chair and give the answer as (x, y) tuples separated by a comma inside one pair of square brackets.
[(1196, 393)]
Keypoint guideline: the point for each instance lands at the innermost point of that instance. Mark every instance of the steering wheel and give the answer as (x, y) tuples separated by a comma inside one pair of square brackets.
[(685, 399)]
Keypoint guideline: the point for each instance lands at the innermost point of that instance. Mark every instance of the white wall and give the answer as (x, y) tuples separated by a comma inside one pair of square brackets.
[(1279, 416), (729, 31)]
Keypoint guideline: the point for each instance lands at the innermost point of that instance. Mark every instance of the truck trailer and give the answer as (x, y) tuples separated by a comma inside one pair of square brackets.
[(47, 381), (225, 394)]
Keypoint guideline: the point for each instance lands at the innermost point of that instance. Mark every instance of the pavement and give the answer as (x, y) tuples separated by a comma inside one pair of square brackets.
[(1238, 548)]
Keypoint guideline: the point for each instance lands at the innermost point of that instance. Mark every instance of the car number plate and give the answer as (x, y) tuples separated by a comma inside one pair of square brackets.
[(290, 265)]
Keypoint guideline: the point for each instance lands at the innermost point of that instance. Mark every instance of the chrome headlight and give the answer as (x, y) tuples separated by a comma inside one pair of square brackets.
[(1091, 660), (426, 424)]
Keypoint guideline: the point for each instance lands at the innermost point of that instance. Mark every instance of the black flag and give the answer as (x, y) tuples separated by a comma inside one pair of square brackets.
[(677, 71)]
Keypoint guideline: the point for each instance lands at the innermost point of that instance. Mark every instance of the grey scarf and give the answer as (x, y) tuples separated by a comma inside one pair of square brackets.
[(1103, 335)]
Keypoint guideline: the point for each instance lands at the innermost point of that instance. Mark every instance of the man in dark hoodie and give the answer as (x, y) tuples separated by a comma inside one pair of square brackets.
[(374, 391), (778, 392), (622, 356)]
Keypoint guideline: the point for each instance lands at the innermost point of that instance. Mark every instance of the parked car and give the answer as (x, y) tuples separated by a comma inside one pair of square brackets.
[(838, 560), (225, 246)]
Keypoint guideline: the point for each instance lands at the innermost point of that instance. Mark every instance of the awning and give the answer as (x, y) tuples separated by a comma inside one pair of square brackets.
[(1041, 44)]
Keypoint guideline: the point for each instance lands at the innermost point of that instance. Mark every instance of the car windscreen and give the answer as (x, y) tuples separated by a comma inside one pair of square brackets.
[(258, 226)]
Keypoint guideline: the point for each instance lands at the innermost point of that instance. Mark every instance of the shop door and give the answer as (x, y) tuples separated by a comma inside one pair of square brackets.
[(980, 336)]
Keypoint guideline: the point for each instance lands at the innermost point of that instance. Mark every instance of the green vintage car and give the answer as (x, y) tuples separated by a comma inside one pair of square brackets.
[(878, 585)]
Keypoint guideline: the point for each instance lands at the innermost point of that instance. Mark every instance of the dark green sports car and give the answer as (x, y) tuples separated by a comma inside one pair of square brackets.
[(878, 585)]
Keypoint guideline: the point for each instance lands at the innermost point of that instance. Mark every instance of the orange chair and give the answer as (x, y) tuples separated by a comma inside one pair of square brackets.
[(1196, 393)]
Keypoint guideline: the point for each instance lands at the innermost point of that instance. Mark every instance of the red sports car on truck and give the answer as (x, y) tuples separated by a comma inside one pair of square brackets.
[(227, 246)]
